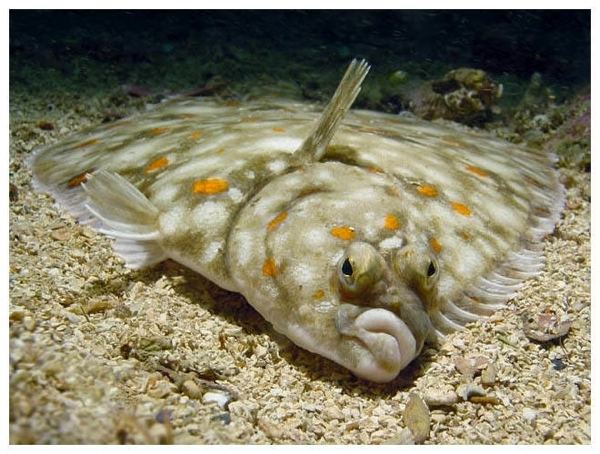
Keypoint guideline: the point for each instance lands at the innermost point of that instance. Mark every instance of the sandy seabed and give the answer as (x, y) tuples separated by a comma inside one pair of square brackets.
[(102, 354)]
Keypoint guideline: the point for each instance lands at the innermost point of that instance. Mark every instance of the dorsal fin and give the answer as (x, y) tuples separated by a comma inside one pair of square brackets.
[(313, 148)]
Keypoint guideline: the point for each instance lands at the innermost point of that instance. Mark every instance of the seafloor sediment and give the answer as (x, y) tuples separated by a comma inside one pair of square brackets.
[(102, 354)]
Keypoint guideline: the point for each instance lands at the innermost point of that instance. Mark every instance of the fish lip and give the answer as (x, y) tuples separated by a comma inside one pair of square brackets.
[(390, 344)]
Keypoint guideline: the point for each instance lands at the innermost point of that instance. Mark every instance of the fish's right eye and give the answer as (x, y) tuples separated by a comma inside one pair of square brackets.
[(431, 269)]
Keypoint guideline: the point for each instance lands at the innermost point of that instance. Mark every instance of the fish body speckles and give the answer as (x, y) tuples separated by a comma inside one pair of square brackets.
[(359, 235)]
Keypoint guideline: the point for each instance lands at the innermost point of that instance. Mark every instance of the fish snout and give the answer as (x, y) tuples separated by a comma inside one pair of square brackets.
[(388, 345)]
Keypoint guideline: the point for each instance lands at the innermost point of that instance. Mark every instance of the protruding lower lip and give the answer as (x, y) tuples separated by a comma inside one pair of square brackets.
[(387, 338), (382, 321)]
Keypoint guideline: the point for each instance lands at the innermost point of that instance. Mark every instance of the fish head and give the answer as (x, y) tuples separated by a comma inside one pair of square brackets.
[(313, 254)]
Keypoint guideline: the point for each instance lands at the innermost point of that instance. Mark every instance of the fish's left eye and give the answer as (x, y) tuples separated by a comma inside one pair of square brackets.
[(347, 267)]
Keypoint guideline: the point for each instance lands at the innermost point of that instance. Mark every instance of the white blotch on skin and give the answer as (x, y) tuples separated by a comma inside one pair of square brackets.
[(303, 274), (211, 251), (324, 175), (250, 175), (289, 144), (210, 215), (235, 194), (245, 247), (367, 194), (392, 242), (316, 237), (165, 195), (173, 221), (276, 166)]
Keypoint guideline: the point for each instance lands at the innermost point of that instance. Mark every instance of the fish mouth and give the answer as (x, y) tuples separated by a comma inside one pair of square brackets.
[(388, 345)]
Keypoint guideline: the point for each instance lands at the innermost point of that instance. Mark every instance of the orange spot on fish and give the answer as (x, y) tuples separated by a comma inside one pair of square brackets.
[(319, 294), (210, 186), (269, 267), (477, 171), (435, 245), (374, 169), (195, 135), (156, 164), (77, 180), (277, 129), (391, 222), (157, 131), (87, 143), (232, 103), (427, 191), (273, 223), (460, 208), (343, 232)]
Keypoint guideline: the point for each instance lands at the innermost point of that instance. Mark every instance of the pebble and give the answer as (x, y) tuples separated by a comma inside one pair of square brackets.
[(469, 366), (160, 434), (488, 376), (29, 323), (191, 389), (466, 391), (529, 415), (417, 417), (546, 326), (438, 398), (219, 397), (60, 234), (404, 437)]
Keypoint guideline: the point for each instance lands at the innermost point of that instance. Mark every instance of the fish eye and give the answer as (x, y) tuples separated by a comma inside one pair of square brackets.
[(347, 267), (431, 269), (359, 270)]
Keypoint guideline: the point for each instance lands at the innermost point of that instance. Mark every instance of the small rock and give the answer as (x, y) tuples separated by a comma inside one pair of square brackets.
[(404, 437), (558, 364), (529, 415), (29, 323), (438, 417), (488, 376), (191, 389), (13, 192), (546, 326), (417, 418), (466, 391), (161, 434), (45, 125), (219, 397), (161, 389), (60, 234), (485, 400), (16, 316), (469, 366), (224, 418), (438, 398)]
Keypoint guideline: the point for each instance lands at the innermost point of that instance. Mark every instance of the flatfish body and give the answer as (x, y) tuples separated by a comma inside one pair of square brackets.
[(359, 235)]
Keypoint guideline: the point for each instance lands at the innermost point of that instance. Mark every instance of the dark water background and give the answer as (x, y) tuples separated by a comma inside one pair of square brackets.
[(87, 51)]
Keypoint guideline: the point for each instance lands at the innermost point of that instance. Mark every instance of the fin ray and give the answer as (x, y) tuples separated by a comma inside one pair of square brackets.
[(313, 147), (121, 211)]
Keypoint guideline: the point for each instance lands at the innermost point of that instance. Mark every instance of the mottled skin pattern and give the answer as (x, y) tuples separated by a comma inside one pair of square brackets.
[(400, 232)]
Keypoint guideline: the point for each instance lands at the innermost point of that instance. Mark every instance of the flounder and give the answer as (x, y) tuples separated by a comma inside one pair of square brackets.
[(359, 235)]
